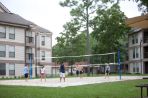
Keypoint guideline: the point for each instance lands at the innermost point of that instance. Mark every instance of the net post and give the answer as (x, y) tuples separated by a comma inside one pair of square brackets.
[(119, 65), (30, 66)]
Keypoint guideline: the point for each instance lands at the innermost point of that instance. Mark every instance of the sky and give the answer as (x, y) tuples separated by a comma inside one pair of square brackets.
[(51, 16)]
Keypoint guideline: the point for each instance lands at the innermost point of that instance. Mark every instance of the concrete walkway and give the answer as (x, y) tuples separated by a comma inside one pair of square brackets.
[(54, 82)]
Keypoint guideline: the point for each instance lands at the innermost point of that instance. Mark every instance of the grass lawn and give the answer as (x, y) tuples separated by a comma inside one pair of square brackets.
[(124, 89)]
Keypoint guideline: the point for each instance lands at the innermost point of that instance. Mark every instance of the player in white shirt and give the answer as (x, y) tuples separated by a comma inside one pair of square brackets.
[(43, 73)]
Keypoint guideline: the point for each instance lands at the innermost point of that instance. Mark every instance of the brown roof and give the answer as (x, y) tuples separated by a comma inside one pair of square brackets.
[(138, 22)]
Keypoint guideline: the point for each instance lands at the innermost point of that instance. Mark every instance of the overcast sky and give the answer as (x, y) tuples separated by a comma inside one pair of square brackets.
[(50, 15)]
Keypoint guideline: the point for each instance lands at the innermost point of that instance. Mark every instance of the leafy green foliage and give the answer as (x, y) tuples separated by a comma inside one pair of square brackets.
[(108, 29)]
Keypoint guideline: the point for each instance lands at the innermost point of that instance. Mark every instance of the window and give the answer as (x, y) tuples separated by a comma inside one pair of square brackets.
[(43, 55), (135, 39), (11, 33), (43, 40), (135, 52), (30, 39), (2, 69), (12, 51), (2, 50), (135, 67), (2, 32), (12, 69)]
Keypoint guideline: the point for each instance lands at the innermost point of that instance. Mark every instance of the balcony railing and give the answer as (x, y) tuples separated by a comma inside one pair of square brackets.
[(28, 50), (29, 39), (145, 54), (145, 39), (29, 56)]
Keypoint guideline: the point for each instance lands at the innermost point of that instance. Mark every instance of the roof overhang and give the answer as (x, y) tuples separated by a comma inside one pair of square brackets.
[(12, 24), (138, 22)]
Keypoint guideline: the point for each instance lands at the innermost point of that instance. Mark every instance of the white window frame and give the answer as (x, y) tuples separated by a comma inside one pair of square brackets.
[(3, 49), (135, 52), (2, 32), (3, 69), (11, 68), (11, 33), (43, 40), (11, 51), (43, 55)]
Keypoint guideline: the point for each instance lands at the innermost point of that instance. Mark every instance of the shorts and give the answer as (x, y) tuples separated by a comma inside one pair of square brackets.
[(77, 72), (26, 75), (62, 75), (81, 72), (107, 71), (42, 74)]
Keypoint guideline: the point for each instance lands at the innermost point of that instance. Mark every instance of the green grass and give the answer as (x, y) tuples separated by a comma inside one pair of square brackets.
[(124, 89)]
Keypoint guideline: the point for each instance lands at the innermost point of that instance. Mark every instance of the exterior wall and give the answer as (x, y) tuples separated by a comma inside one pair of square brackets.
[(48, 53), (19, 53), (47, 56), (19, 44), (135, 63), (19, 35), (19, 70)]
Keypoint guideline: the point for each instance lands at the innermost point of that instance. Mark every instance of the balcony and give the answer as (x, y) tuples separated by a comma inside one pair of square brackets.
[(28, 49), (145, 39), (145, 54), (28, 56), (29, 41)]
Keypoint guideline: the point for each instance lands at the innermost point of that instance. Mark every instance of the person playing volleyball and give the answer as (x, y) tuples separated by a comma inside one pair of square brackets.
[(80, 70), (62, 72), (26, 71), (77, 70), (107, 71), (43, 74)]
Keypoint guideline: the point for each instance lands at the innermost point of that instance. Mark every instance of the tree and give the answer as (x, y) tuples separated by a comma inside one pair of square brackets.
[(107, 24), (143, 5), (70, 43), (110, 30), (83, 11)]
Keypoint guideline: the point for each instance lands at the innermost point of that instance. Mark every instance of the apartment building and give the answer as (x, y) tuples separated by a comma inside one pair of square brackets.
[(138, 44), (22, 42)]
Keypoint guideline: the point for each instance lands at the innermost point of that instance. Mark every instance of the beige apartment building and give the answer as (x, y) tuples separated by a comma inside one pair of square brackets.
[(22, 42), (138, 45)]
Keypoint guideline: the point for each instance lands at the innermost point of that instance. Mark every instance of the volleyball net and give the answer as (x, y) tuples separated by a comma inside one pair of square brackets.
[(93, 63)]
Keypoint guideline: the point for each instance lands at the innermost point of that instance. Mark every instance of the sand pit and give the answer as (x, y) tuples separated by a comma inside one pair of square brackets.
[(76, 81)]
